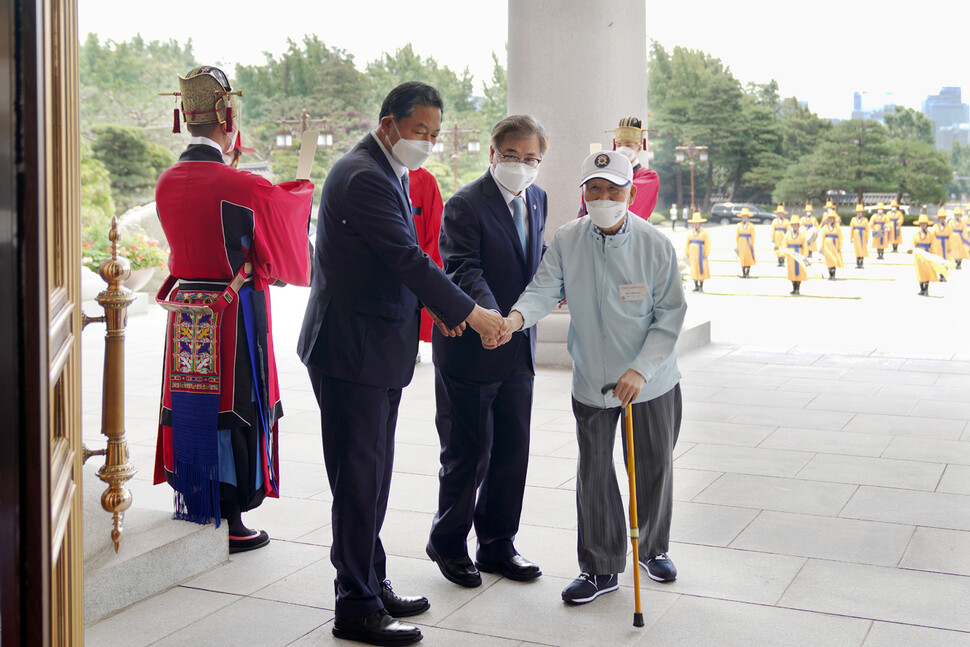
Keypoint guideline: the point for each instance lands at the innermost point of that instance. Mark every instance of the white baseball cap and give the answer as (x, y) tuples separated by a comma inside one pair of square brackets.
[(608, 165)]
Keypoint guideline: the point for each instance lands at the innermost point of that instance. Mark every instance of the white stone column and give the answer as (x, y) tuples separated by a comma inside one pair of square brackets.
[(578, 66)]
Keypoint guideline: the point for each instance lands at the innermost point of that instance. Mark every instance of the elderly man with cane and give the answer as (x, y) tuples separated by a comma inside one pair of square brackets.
[(627, 305)]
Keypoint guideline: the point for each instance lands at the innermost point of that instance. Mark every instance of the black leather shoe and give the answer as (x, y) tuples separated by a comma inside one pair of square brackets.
[(459, 570), (377, 628), (401, 607), (516, 568)]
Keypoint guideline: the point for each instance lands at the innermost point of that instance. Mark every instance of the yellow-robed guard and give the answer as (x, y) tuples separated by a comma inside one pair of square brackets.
[(881, 230), (795, 243), (831, 235), (744, 239), (859, 231), (810, 225), (698, 252), (960, 237), (896, 224), (926, 270), (942, 246), (779, 227)]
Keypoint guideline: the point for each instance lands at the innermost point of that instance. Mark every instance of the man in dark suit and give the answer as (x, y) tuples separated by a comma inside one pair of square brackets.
[(359, 340), (491, 243)]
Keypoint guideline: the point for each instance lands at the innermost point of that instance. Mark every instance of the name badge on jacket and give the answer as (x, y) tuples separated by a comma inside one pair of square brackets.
[(633, 292)]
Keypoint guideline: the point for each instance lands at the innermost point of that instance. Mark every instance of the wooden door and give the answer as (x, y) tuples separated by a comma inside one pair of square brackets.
[(41, 567)]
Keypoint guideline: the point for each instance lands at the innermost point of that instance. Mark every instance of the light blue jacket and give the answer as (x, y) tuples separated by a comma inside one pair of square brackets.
[(626, 305)]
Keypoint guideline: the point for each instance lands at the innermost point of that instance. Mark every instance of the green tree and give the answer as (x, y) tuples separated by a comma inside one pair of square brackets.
[(97, 205), (801, 129), (909, 124), (919, 170), (495, 104), (120, 82), (405, 65), (133, 163), (960, 160)]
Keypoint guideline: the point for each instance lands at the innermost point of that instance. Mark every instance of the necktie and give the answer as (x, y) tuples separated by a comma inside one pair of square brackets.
[(518, 215), (406, 185)]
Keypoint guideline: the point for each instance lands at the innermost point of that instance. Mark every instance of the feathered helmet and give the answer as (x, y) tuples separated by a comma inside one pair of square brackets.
[(206, 98)]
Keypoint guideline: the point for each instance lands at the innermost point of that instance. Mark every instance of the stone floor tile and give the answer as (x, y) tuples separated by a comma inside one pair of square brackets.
[(921, 427), (957, 381), (863, 404), (302, 448), (298, 420), (735, 624), (816, 372), (405, 533), (414, 492), (433, 637), (553, 549), (863, 542), (310, 586), (279, 624), (712, 411), (300, 480), (417, 459), (881, 593), (777, 397), (547, 471), (544, 507), (289, 518), (745, 460), (729, 574), (766, 357), (909, 507), (689, 483), (947, 409), (543, 442), (922, 392), (536, 610), (150, 620), (955, 367), (734, 377), (898, 635), (786, 417), (698, 392), (942, 551), (956, 480), (711, 525), (930, 449), (864, 470), (827, 442), (250, 571), (774, 493), (723, 433), (854, 362), (811, 385), (881, 376)]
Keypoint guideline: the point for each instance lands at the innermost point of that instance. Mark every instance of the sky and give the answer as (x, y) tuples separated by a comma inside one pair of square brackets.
[(821, 52)]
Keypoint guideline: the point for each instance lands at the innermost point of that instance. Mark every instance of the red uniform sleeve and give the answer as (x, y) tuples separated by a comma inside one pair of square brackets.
[(648, 185), (281, 251), (426, 197)]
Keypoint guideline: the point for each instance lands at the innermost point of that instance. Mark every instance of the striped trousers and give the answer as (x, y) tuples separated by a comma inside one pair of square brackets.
[(603, 527)]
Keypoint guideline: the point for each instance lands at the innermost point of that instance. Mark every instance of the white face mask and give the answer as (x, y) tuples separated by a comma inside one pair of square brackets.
[(411, 152), (629, 153), (514, 176), (606, 213)]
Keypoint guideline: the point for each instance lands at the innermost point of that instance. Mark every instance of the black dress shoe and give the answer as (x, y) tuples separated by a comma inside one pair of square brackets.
[(459, 570), (516, 568), (377, 628), (401, 607)]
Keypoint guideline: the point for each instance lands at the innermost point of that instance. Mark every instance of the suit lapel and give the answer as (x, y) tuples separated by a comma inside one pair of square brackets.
[(372, 147), (500, 212)]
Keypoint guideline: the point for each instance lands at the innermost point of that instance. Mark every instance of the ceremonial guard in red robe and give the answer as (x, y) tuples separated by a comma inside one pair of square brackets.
[(232, 234), (426, 206)]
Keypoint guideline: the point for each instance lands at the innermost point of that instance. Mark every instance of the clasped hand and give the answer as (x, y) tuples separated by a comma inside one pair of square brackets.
[(510, 324)]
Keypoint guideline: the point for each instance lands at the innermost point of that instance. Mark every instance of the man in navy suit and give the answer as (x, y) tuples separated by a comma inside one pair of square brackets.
[(491, 243), (359, 340)]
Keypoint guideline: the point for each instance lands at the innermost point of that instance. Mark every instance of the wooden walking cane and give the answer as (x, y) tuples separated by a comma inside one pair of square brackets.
[(634, 526)]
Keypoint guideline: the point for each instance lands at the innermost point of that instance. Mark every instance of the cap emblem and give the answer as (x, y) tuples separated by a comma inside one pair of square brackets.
[(602, 160)]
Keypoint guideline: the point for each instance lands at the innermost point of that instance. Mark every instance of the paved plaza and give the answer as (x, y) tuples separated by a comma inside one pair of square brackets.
[(822, 485)]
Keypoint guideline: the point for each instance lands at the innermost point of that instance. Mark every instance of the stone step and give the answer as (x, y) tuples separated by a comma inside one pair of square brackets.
[(156, 552), (553, 332)]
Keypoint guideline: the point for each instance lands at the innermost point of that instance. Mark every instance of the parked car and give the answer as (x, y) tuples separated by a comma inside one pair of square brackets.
[(725, 213)]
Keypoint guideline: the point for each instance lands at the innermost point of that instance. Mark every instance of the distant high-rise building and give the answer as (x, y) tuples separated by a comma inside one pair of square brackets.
[(869, 105), (950, 116)]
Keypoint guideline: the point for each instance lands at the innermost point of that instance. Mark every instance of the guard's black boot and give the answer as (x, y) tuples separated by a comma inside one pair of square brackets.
[(746, 271), (700, 286), (959, 261), (798, 285), (831, 274), (794, 287), (697, 286), (781, 261), (879, 254), (924, 289)]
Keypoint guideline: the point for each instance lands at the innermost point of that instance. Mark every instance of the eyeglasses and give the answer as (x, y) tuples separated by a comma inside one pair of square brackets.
[(529, 161)]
